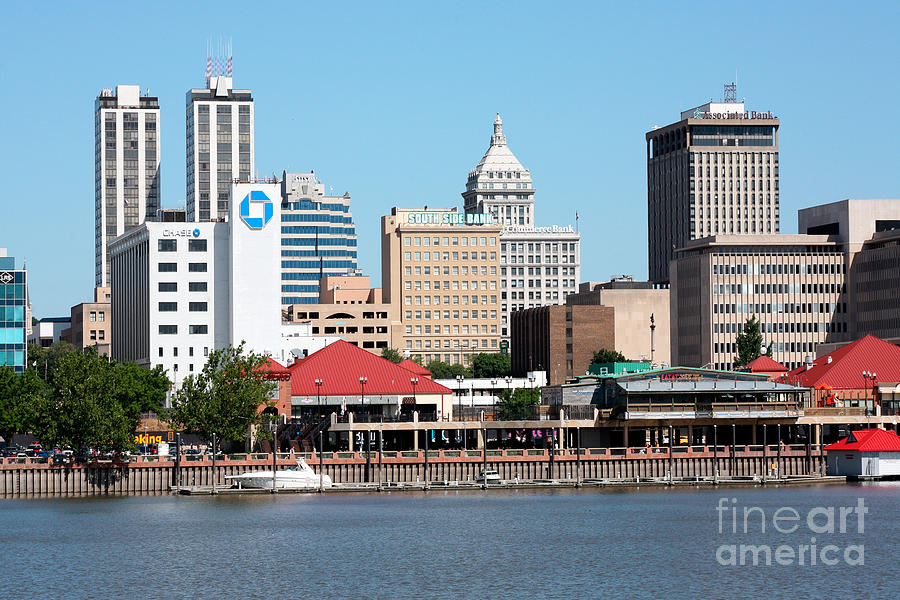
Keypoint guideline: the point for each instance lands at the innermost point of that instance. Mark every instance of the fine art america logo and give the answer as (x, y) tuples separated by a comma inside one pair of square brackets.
[(809, 539), (257, 199)]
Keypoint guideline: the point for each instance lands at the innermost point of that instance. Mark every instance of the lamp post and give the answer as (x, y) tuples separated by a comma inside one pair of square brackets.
[(319, 383), (494, 398), (414, 381), (273, 425), (531, 384), (362, 384), (459, 382), (867, 377)]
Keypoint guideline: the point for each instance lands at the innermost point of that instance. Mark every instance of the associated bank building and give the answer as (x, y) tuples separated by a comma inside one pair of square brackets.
[(181, 290)]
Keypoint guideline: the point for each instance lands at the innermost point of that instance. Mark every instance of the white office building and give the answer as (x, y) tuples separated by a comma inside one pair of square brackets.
[(539, 266), (181, 290), (219, 144), (126, 168)]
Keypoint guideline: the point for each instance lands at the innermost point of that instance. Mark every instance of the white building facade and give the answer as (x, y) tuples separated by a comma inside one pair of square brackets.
[(219, 145), (181, 290), (539, 266), (126, 168)]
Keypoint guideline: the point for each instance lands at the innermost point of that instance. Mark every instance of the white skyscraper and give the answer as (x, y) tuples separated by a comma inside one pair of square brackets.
[(539, 266), (219, 142), (126, 167)]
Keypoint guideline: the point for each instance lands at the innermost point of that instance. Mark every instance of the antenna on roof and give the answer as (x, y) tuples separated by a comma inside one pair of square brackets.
[(730, 92)]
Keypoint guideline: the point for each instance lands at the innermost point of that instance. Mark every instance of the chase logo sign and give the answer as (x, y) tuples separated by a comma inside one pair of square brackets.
[(196, 233), (256, 203)]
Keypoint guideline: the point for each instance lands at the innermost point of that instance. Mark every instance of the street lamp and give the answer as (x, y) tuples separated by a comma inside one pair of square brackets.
[(414, 381), (459, 382), (362, 384), (319, 383), (870, 376), (531, 383), (494, 398)]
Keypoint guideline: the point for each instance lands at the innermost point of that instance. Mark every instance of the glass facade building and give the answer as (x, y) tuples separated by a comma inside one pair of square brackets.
[(13, 301), (318, 238)]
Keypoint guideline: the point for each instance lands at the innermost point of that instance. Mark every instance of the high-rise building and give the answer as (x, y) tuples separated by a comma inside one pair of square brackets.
[(539, 266), (440, 268), (714, 172), (13, 314), (126, 168), (318, 238), (219, 142)]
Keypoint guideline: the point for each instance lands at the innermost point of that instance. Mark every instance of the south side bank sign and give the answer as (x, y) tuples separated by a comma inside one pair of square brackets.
[(450, 219)]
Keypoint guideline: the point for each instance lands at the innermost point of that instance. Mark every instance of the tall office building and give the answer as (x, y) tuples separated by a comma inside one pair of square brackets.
[(318, 238), (714, 172), (126, 168), (439, 267), (13, 313), (219, 142), (539, 266)]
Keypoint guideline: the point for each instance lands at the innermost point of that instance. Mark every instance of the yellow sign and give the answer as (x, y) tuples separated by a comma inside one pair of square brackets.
[(143, 438)]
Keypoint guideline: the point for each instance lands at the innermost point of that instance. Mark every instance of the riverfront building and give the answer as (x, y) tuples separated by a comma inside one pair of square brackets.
[(713, 172), (126, 168), (13, 302), (440, 268), (182, 290), (219, 143), (539, 266), (318, 238)]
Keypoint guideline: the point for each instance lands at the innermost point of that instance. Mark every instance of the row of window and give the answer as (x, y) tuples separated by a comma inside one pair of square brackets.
[(190, 351), (192, 306), (455, 343), (417, 300), (450, 241), (167, 267), (537, 271), (171, 245), (537, 247), (172, 286), (779, 288), (536, 259), (456, 329), (781, 308), (446, 315), (424, 256), (192, 329), (781, 327), (734, 157), (448, 285)]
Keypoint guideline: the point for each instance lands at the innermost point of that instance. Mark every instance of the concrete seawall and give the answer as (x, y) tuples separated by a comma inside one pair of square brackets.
[(25, 479)]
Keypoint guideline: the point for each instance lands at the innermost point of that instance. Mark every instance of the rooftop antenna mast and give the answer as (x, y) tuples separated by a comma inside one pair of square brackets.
[(730, 92)]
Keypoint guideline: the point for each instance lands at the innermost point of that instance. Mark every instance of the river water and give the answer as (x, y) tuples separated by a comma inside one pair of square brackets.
[(644, 543)]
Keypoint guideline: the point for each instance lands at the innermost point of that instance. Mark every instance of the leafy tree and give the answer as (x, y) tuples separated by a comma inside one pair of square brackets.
[(490, 364), (749, 343), (18, 396), (442, 370), (516, 404), (392, 355), (225, 397), (44, 360), (84, 407), (603, 355)]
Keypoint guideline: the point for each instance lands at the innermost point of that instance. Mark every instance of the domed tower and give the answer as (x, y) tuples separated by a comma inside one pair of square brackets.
[(500, 185)]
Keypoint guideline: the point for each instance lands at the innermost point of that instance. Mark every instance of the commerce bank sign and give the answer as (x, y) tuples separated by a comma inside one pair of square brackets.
[(450, 218)]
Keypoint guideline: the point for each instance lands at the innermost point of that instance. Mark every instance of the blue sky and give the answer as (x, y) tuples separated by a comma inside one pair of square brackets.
[(394, 101)]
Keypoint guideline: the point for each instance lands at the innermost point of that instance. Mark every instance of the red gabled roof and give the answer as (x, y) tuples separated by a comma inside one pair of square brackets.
[(340, 365), (868, 440), (764, 364), (414, 367), (848, 363), (275, 370)]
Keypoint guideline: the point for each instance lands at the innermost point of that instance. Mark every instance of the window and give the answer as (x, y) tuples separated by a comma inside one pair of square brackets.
[(167, 286), (197, 267), (168, 329), (167, 245), (198, 329), (167, 267), (160, 351), (196, 245), (197, 306), (168, 306), (93, 316), (197, 286)]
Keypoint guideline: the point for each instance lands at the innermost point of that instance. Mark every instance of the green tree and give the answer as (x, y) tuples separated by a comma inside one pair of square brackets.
[(225, 397), (442, 370), (18, 396), (604, 355), (392, 355), (44, 360), (490, 364), (84, 405), (516, 404), (749, 343)]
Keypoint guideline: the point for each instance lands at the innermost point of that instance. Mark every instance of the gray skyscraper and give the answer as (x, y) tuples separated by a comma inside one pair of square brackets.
[(126, 167), (219, 142), (714, 172)]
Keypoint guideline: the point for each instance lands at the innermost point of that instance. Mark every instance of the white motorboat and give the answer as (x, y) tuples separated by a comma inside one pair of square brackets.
[(488, 476), (301, 477)]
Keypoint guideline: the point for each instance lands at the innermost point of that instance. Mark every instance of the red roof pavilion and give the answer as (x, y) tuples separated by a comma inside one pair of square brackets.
[(340, 365), (415, 368), (843, 368), (764, 364), (868, 440)]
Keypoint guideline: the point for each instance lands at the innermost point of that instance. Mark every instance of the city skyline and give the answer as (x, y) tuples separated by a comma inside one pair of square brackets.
[(384, 115)]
